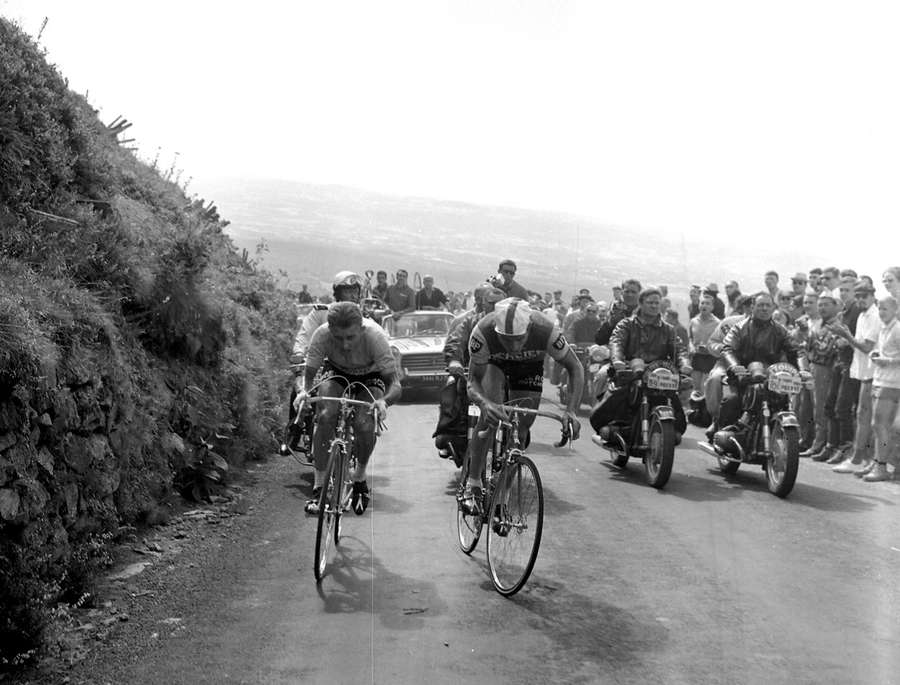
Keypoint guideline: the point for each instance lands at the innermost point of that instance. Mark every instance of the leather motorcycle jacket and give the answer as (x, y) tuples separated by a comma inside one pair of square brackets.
[(633, 338), (755, 340)]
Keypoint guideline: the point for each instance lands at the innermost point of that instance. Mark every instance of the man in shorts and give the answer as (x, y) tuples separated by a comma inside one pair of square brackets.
[(506, 351), (349, 349)]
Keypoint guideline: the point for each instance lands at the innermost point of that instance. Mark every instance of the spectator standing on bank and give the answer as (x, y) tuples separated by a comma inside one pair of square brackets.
[(508, 284), (304, 296), (885, 388), (718, 309), (732, 293), (381, 286)]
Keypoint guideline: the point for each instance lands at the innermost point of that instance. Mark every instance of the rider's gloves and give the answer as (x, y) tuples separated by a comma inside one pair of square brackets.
[(738, 371)]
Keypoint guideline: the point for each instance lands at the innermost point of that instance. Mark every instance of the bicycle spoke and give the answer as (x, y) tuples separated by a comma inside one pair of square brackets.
[(515, 521)]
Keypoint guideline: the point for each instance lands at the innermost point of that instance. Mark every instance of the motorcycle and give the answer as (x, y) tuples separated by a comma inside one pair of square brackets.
[(649, 433), (593, 360), (768, 432)]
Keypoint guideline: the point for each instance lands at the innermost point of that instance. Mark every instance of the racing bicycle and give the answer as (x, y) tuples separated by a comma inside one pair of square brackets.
[(512, 506), (334, 498)]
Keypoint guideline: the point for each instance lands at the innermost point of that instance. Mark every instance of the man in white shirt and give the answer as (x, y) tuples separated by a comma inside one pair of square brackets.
[(861, 368), (885, 389)]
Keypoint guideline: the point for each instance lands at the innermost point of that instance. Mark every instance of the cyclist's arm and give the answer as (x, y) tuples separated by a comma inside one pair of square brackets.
[(560, 351)]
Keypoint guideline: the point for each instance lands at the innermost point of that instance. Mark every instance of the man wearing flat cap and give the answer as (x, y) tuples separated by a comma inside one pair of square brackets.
[(799, 281), (718, 306), (430, 297)]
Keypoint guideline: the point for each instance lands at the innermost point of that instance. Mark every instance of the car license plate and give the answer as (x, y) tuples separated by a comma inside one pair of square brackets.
[(431, 378)]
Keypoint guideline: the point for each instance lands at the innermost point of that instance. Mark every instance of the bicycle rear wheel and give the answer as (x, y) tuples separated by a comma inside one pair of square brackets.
[(516, 519), (328, 526), (468, 524)]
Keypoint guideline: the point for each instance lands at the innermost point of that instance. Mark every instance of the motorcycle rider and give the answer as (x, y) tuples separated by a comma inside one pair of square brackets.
[(712, 388), (346, 286), (646, 336), (507, 350), (456, 354), (756, 339)]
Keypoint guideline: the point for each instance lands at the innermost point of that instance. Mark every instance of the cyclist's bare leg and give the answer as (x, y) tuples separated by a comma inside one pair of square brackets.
[(364, 431), (326, 420), (492, 383)]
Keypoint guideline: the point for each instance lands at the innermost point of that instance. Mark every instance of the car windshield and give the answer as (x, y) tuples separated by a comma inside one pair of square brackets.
[(410, 325)]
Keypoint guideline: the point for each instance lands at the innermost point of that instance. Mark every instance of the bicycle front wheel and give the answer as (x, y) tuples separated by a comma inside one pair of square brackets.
[(328, 527), (468, 523), (516, 519)]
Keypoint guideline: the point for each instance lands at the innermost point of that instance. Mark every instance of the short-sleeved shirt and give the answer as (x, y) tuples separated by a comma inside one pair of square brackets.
[(435, 299), (523, 369), (371, 355), (867, 327), (888, 346)]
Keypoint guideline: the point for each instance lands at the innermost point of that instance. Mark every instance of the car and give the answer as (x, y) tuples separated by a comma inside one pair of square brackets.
[(417, 343)]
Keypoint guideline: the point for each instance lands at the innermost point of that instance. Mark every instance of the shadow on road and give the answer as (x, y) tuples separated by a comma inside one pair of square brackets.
[(400, 602), (589, 629)]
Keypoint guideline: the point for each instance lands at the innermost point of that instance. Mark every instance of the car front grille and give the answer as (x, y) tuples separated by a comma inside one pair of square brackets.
[(432, 362)]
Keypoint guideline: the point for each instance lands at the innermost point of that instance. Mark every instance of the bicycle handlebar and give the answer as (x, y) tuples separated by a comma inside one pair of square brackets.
[(562, 419), (379, 426)]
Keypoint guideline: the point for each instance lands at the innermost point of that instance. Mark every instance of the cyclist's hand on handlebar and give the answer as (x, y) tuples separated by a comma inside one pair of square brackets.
[(456, 369), (301, 397), (573, 425), (494, 411), (380, 410)]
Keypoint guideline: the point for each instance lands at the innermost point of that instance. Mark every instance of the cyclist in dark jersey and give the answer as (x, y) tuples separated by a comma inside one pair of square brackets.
[(507, 350)]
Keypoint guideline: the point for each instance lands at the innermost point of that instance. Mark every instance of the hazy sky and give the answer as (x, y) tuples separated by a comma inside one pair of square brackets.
[(780, 118)]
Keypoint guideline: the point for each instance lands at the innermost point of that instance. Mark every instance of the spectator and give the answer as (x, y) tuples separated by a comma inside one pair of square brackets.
[(785, 305), (694, 301), (400, 298), (616, 293), (822, 353), (664, 305), (699, 330), (585, 328), (304, 296), (508, 284), (579, 304), (831, 277), (891, 281), (681, 333), (381, 286), (718, 306), (885, 388), (631, 289), (430, 297), (805, 326), (771, 282), (799, 282), (732, 293), (862, 371)]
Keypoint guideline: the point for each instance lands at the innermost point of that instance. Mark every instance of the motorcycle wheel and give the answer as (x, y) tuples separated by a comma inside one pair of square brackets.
[(660, 454), (782, 466)]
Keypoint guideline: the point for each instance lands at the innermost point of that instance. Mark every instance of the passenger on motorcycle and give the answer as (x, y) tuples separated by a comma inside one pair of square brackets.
[(345, 287), (756, 339), (712, 387), (584, 329), (643, 335), (506, 351), (452, 418), (621, 309), (349, 349)]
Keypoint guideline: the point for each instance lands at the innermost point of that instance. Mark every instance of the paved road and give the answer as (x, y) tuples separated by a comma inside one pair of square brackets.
[(712, 580)]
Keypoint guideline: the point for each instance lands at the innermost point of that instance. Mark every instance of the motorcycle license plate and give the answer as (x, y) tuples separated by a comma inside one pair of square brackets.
[(594, 368), (474, 410), (662, 381), (786, 384)]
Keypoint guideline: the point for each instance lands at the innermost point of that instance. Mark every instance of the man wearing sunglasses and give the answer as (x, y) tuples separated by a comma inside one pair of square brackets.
[(508, 284)]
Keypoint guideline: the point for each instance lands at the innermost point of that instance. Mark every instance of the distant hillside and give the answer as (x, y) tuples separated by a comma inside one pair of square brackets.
[(312, 231)]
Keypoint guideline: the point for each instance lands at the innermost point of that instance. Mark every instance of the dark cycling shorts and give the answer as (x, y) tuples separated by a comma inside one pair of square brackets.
[(371, 380), (522, 375)]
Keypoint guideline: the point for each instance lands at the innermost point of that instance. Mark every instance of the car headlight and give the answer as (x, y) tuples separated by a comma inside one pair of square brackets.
[(398, 359)]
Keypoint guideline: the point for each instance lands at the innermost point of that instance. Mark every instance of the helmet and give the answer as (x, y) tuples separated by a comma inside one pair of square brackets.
[(344, 279), (512, 316)]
